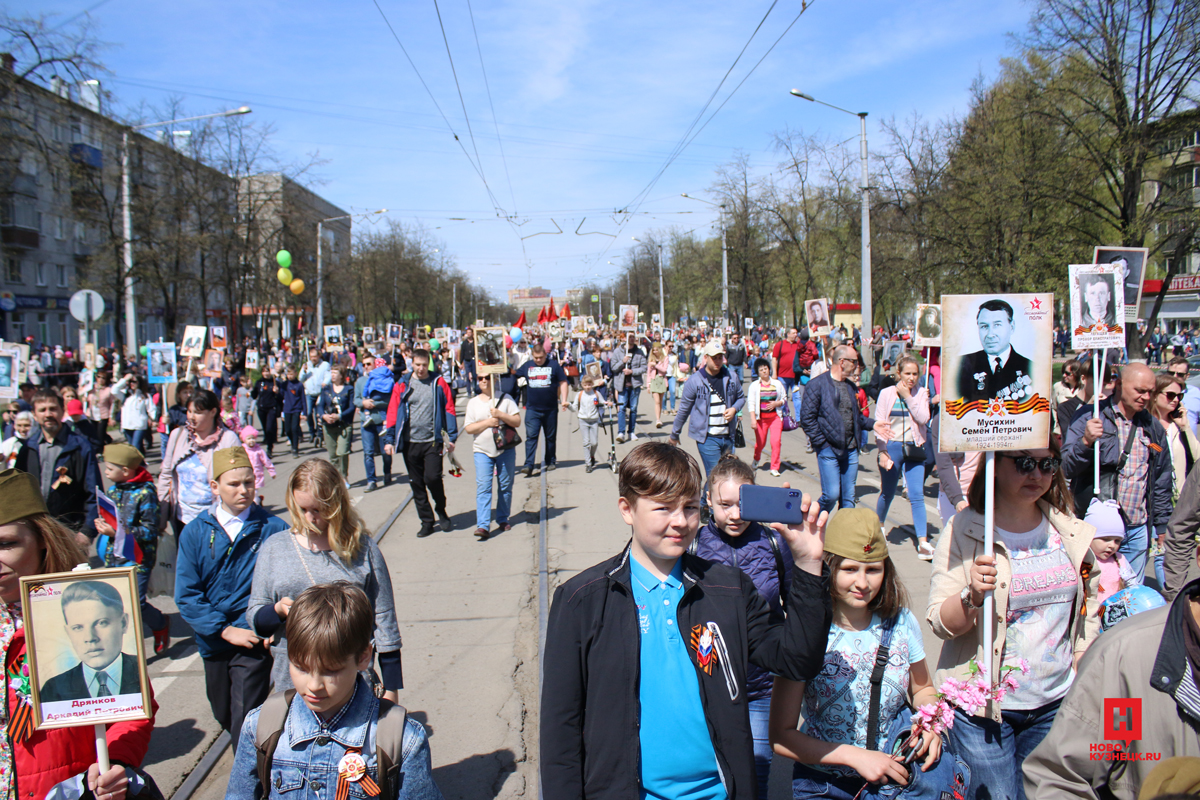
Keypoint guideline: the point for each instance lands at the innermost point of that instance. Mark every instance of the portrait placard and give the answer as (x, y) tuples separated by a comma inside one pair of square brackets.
[(89, 355), (442, 335), (83, 634), (996, 371), (252, 359), (595, 371), (420, 336), (368, 335), (928, 330), (10, 363), (579, 327), (893, 351), (212, 364), (1131, 268), (748, 323), (627, 318), (217, 338), (193, 341), (491, 356), (478, 323), (333, 338), (395, 334), (816, 314), (23, 361), (656, 320), (1097, 308), (163, 364), (641, 329)]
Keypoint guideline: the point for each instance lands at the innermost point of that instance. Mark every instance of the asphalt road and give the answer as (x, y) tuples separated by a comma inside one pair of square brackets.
[(469, 613)]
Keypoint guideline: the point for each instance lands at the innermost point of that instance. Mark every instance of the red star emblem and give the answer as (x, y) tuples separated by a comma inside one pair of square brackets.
[(868, 548), (1035, 304)]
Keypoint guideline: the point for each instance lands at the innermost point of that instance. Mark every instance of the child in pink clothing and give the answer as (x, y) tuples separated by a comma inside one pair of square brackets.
[(1115, 572), (229, 413), (259, 459)]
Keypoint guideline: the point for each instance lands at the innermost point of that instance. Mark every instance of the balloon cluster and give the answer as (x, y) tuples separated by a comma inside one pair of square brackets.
[(284, 259)]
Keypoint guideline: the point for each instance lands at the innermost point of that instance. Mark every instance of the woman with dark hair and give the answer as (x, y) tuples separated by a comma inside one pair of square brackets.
[(45, 762), (183, 488), (1040, 570), (268, 397)]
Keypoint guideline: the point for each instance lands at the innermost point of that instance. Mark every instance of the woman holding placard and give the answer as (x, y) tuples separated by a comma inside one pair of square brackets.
[(1040, 571), (37, 761)]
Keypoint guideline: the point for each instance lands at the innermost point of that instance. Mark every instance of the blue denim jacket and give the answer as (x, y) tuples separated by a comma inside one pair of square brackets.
[(305, 769)]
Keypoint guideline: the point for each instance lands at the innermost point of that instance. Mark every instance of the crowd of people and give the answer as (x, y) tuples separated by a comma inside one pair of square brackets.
[(702, 599)]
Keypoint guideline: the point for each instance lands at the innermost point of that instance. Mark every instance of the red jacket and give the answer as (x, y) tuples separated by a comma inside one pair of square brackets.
[(49, 757)]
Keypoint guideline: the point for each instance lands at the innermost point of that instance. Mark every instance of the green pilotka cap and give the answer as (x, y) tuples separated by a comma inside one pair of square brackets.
[(22, 497), (854, 533)]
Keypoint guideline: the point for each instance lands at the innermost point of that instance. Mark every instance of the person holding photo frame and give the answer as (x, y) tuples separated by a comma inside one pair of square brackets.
[(34, 543)]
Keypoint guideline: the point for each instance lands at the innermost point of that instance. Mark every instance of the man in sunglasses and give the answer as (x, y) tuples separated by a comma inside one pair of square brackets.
[(1135, 461), (1179, 368)]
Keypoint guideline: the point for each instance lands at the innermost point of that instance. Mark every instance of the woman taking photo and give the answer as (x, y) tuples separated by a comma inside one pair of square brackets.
[(905, 407), (1040, 571), (656, 378), (183, 488), (34, 763)]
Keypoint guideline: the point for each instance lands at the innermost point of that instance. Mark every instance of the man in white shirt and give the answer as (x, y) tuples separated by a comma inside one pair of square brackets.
[(315, 375)]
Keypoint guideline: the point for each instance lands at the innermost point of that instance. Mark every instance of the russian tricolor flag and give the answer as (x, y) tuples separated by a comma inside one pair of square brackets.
[(124, 546)]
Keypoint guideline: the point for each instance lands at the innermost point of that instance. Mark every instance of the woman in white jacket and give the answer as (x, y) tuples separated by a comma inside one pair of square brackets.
[(764, 397), (137, 410)]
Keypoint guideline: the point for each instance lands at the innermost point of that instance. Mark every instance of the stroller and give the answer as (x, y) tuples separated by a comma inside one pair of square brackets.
[(610, 422)]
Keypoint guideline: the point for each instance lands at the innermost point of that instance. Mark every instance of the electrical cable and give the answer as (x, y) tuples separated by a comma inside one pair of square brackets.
[(462, 102), (492, 106)]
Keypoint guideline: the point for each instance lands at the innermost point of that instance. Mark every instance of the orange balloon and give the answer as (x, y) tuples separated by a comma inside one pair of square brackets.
[(297, 286)]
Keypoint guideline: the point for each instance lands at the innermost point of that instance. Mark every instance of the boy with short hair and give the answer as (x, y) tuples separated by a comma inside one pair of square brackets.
[(133, 491), (214, 571), (646, 654), (588, 405), (320, 732)]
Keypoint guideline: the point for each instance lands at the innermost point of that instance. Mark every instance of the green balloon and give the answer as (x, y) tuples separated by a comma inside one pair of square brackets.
[(145, 351), (435, 345), (283, 258)]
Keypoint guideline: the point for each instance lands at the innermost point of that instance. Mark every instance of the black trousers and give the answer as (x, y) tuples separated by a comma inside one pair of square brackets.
[(237, 682), (269, 418), (291, 427), (423, 460)]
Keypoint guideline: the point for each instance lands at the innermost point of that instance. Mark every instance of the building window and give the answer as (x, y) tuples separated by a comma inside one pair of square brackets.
[(63, 338), (43, 329), (62, 276), (16, 326), (12, 271), (60, 227), (41, 275)]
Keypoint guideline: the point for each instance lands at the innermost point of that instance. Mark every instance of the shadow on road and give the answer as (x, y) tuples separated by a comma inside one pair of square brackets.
[(475, 777), (176, 739)]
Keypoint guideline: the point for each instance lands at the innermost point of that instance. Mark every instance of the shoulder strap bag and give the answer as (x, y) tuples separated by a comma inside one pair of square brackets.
[(913, 452), (881, 660), (505, 436)]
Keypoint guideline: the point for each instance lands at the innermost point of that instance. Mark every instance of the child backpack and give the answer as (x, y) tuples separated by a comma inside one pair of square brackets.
[(389, 741)]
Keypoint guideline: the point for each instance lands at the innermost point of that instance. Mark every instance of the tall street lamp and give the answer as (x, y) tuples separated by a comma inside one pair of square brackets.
[(724, 257), (866, 221), (321, 273), (131, 348), (662, 315)]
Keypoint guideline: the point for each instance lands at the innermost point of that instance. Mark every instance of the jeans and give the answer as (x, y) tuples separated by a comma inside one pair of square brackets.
[(310, 411), (772, 430), (543, 420), (670, 401), (503, 467), (760, 716), (995, 751), (711, 450), (914, 478), (839, 473), (373, 446), (1134, 547), (337, 446), (737, 374), (627, 399), (136, 439)]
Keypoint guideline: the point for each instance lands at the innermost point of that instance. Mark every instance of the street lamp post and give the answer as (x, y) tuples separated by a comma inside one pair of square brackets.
[(131, 348), (724, 258), (867, 328), (662, 315), (321, 272)]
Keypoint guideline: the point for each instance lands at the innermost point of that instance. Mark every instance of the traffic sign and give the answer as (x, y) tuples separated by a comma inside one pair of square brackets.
[(595, 298), (7, 301), (80, 309), (350, 318)]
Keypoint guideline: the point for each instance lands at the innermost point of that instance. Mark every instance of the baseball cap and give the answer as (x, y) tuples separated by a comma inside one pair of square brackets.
[(74, 407), (714, 348)]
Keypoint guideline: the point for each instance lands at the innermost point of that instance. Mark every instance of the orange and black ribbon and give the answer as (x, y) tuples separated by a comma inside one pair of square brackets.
[(20, 727), (344, 779)]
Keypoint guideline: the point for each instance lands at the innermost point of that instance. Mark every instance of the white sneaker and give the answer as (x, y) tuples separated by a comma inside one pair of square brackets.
[(774, 473), (633, 437), (620, 438), (925, 551), (754, 464)]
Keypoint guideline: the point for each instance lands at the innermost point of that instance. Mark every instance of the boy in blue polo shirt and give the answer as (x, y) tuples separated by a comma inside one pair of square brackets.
[(646, 653)]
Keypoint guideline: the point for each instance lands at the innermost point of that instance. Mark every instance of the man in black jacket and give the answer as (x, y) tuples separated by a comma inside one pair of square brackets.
[(646, 653), (63, 463)]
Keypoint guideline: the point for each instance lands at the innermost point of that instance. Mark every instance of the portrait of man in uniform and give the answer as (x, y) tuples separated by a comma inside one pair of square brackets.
[(984, 374)]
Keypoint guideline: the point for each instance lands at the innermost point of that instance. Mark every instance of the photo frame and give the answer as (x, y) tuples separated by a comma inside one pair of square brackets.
[(748, 323), (990, 407), (579, 327), (927, 326), (641, 329), (252, 359), (420, 335), (10, 365), (368, 335), (627, 318), (193, 341), (491, 354), (61, 695), (655, 319), (1131, 272), (395, 333), (212, 363), (816, 314), (163, 365), (333, 338), (1098, 313), (217, 337), (595, 371), (442, 335), (893, 351)]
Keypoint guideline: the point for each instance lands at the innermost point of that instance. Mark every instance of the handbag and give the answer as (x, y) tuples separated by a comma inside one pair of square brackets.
[(505, 436), (913, 452), (739, 436)]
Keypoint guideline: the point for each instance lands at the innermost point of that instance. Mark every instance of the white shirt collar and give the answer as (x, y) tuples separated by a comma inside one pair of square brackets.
[(231, 523), (112, 681), (1002, 356)]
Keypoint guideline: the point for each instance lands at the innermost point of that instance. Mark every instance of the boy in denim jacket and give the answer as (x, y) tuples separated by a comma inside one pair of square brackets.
[(328, 735)]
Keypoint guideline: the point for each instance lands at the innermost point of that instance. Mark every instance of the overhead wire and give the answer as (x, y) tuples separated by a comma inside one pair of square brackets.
[(492, 106), (461, 101)]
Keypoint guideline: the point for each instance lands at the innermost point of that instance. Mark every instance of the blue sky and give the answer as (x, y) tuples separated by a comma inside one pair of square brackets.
[(590, 98)]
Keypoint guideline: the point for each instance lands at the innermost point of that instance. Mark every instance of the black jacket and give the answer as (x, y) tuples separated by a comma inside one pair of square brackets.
[(73, 503), (70, 685), (591, 706)]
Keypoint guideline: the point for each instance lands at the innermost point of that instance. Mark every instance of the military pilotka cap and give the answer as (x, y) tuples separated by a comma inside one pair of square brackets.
[(229, 458), (854, 533), (123, 455), (22, 498)]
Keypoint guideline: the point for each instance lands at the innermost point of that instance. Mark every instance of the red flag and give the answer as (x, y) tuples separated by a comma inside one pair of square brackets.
[(542, 316), (520, 321), (551, 316), (566, 313)]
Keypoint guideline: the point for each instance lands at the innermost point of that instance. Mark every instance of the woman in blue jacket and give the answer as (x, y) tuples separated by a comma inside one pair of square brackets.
[(756, 551)]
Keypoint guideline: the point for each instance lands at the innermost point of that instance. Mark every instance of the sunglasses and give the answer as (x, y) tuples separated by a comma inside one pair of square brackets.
[(1173, 396), (1183, 374), (1026, 464)]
